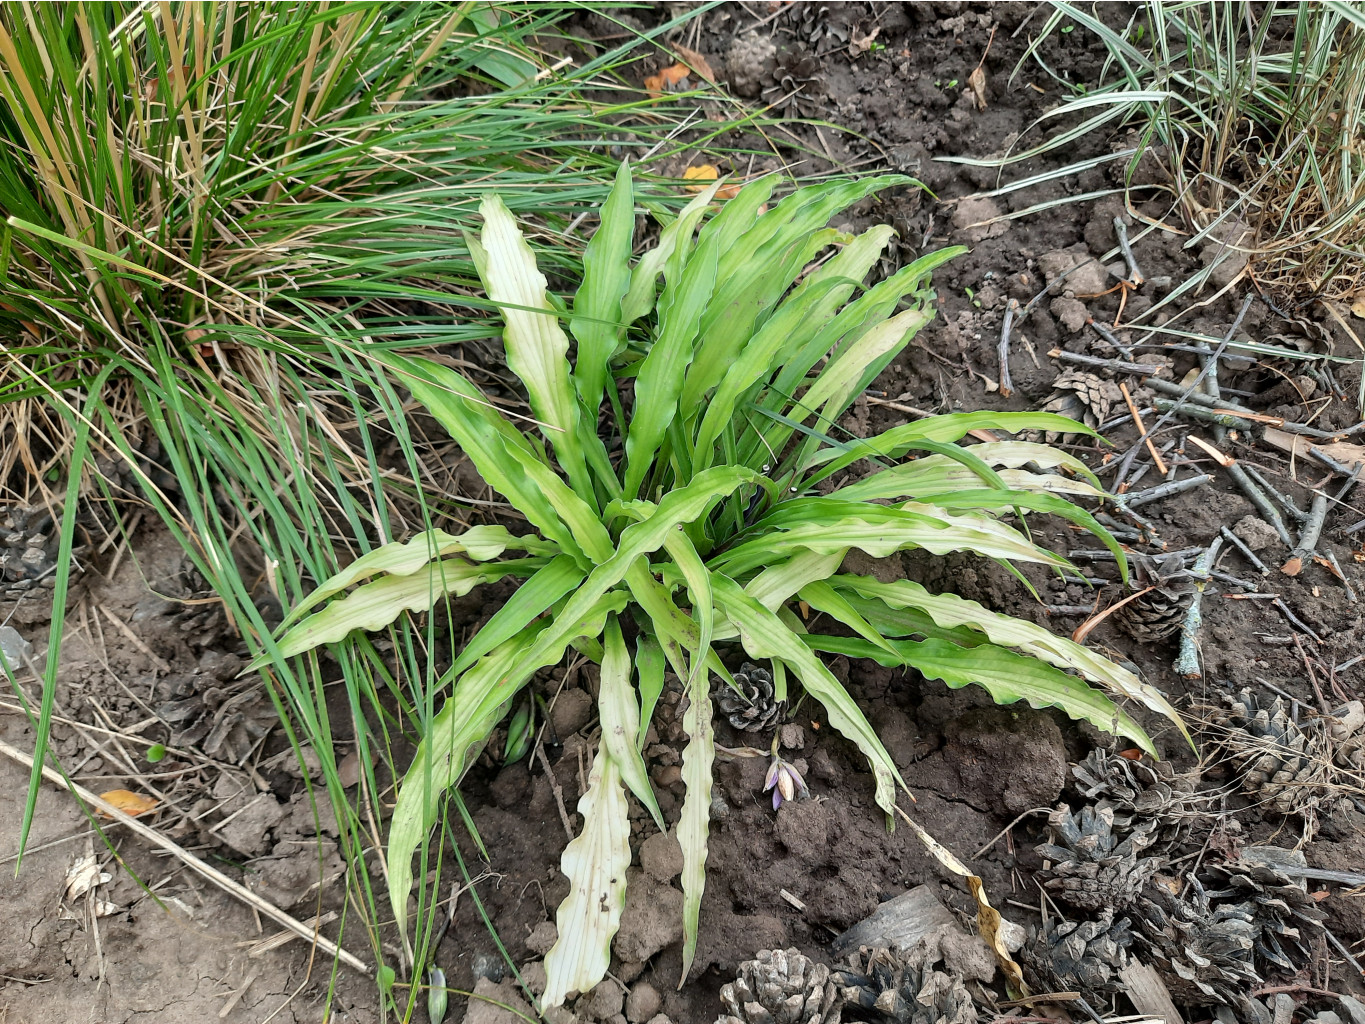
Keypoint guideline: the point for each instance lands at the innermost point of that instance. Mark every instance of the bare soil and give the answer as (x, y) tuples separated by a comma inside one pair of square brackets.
[(974, 768)]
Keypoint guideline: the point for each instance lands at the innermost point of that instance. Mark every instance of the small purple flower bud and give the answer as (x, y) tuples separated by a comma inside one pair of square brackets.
[(785, 782)]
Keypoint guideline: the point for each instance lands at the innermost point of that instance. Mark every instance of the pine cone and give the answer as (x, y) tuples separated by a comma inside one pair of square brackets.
[(29, 538), (781, 987), (1239, 922), (753, 708), (1137, 791), (748, 63), (1083, 397), (902, 986), (1203, 953), (1161, 611), (1288, 767), (1092, 870), (794, 86), (1288, 918), (1084, 955)]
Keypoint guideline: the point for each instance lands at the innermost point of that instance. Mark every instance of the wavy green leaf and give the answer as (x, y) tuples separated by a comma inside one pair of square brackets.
[(620, 717), (595, 863)]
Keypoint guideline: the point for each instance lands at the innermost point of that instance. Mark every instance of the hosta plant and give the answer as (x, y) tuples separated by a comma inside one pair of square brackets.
[(678, 471)]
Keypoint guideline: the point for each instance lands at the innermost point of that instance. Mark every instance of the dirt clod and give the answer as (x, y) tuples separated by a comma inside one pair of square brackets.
[(643, 1003), (652, 919), (661, 857)]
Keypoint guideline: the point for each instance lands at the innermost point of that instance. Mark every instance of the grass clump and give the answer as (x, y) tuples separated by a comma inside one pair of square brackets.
[(686, 499), (1255, 112)]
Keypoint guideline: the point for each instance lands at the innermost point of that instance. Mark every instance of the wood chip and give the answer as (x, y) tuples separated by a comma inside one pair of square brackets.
[(791, 899)]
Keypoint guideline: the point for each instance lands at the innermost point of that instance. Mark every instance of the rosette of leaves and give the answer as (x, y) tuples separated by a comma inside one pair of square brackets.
[(691, 515)]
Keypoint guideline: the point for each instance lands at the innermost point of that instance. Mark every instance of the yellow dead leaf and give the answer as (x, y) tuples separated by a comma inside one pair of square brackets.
[(130, 803), (1358, 304), (988, 919), (709, 172), (671, 79)]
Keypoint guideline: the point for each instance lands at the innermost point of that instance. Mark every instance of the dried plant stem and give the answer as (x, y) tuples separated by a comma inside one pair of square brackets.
[(1187, 663), (1166, 387), (1298, 514), (263, 907), (1006, 385), (1135, 277), (1117, 365)]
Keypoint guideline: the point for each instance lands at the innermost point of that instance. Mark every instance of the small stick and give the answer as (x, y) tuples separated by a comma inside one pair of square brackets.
[(1142, 428), (1252, 597), (1261, 502), (1331, 463), (1068, 609), (1247, 553), (1295, 621), (1323, 706), (1187, 662), (1353, 529), (1113, 339), (264, 907), (1006, 385), (1168, 388), (1341, 948), (1308, 537), (1340, 496), (1117, 365), (557, 790), (1218, 354), (1297, 513), (1275, 689), (1166, 490), (1197, 412), (1350, 664), (1135, 277), (1350, 590)]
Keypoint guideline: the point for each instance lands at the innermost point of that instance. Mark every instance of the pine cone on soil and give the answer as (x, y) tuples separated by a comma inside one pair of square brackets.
[(1291, 768), (1082, 955), (1239, 923), (1092, 869), (753, 708), (902, 986), (29, 538), (781, 987), (1137, 791), (1083, 397), (794, 87), (1160, 611)]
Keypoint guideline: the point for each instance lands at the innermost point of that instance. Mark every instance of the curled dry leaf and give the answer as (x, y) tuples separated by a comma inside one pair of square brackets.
[(696, 62), (130, 803), (84, 874), (988, 919), (860, 44), (709, 172), (976, 84), (671, 79)]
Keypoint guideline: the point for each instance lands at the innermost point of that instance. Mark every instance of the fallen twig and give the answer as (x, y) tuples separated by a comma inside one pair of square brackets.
[(1193, 387), (1113, 339), (1308, 537), (1247, 553), (1287, 503), (1142, 429), (1167, 387), (264, 907), (1165, 490), (1117, 365), (1336, 567), (1262, 503), (1187, 662), (1135, 278), (1172, 407), (1295, 621)]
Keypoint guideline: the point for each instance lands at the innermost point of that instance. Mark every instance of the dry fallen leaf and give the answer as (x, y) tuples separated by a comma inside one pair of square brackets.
[(988, 919), (671, 79), (1358, 304), (858, 45), (710, 172), (130, 803), (84, 874), (697, 62), (976, 82)]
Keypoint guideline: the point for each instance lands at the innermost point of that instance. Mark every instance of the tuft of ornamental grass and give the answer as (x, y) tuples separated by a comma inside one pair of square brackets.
[(1256, 113), (216, 219)]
